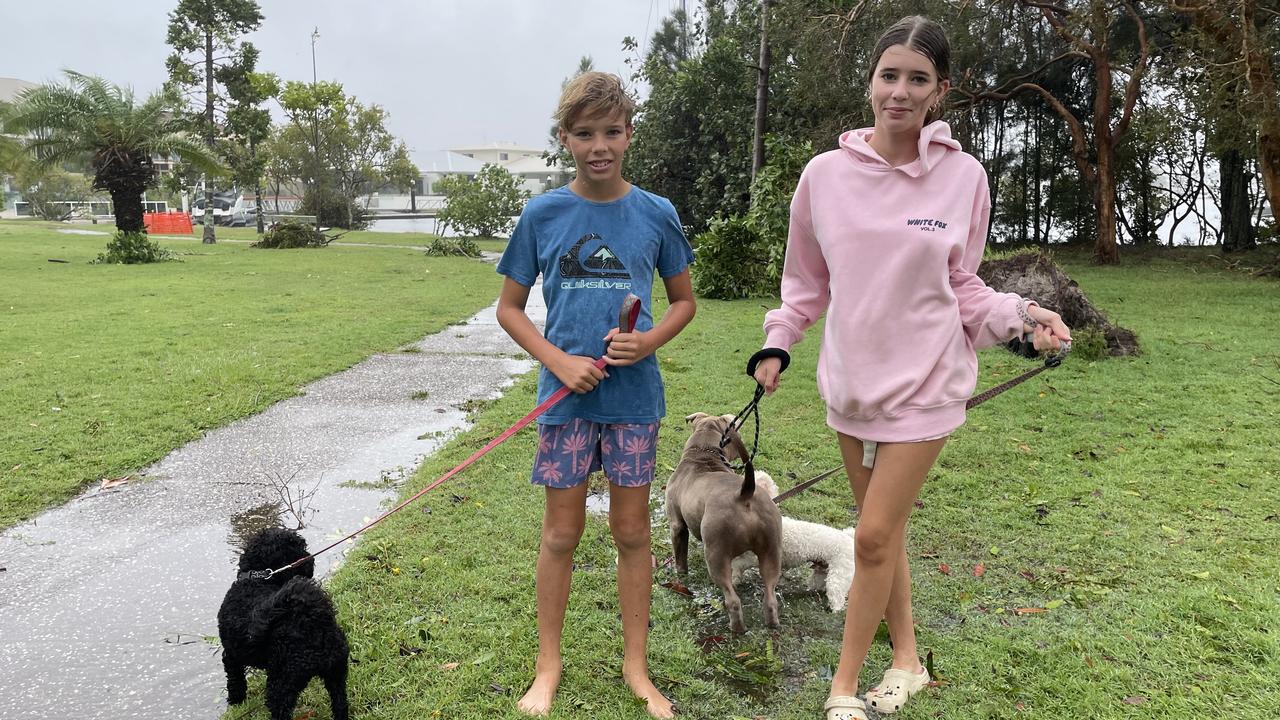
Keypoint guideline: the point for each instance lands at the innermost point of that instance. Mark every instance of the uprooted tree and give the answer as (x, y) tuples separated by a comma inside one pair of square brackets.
[(1035, 275)]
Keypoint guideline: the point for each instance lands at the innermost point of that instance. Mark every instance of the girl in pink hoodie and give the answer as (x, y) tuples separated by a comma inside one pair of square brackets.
[(886, 235)]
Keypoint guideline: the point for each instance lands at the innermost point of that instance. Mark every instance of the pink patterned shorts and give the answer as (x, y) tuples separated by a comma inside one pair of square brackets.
[(568, 453)]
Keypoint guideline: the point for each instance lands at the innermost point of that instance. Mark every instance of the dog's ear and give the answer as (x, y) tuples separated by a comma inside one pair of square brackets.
[(729, 417), (694, 417)]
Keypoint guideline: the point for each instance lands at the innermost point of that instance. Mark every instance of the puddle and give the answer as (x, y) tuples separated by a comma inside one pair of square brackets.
[(766, 666), (598, 503), (82, 232)]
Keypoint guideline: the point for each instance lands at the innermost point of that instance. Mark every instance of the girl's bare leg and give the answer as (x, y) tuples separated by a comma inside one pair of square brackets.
[(895, 481)]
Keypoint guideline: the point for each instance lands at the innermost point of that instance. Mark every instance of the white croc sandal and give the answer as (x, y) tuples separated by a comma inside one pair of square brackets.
[(845, 707), (897, 687)]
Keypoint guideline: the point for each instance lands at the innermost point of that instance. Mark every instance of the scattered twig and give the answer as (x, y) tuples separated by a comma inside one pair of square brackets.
[(295, 501)]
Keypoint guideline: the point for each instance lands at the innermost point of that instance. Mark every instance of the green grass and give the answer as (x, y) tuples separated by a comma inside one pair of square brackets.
[(1133, 500), (105, 369), (361, 237)]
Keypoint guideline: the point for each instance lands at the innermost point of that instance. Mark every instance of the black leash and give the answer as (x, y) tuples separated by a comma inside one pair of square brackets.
[(1051, 361), (752, 409)]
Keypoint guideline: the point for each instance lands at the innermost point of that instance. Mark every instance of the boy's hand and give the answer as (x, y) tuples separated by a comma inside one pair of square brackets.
[(626, 348), (578, 373)]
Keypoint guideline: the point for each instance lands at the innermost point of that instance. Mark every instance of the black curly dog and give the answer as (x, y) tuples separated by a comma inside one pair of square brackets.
[(285, 625)]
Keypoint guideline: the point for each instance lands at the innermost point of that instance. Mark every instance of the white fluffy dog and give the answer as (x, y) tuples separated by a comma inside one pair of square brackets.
[(828, 550)]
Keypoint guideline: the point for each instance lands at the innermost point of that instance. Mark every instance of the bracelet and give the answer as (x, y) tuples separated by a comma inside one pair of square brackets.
[(1026, 316)]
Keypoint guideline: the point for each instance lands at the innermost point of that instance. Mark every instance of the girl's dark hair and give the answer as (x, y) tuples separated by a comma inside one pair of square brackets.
[(925, 37)]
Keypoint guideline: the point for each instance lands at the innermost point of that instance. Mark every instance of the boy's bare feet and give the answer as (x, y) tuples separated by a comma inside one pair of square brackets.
[(657, 704), (538, 699)]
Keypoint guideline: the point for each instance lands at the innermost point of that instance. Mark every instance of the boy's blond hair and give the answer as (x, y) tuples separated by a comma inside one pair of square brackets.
[(593, 94)]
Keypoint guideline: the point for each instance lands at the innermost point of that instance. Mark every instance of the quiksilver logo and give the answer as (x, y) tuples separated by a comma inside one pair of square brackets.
[(928, 224)]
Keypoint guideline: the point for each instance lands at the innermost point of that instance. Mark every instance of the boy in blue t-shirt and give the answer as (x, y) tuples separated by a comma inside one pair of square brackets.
[(593, 242)]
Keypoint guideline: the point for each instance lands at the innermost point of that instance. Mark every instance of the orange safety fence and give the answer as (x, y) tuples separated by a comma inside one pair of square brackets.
[(167, 222)]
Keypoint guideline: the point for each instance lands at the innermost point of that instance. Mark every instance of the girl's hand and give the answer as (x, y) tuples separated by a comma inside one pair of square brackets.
[(578, 373), (626, 348), (768, 373), (1050, 332)]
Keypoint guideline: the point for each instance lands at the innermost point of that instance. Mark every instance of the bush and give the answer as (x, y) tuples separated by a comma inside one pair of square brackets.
[(1089, 343), (51, 192), (771, 192), (133, 248), (729, 265), (333, 210), (743, 256), (483, 205), (463, 246), (292, 234)]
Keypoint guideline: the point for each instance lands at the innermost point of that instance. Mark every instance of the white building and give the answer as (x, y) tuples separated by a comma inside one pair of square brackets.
[(523, 161), (498, 153)]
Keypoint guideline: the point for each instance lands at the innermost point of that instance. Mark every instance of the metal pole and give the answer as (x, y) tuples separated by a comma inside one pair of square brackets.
[(315, 129), (314, 34)]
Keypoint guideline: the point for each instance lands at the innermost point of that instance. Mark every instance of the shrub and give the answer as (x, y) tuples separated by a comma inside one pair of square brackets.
[(771, 192), (333, 210), (1089, 343), (743, 256), (483, 205), (292, 234), (463, 246), (729, 265), (133, 248), (51, 192)]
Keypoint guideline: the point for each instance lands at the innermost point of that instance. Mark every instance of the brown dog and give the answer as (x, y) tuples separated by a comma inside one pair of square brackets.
[(722, 510)]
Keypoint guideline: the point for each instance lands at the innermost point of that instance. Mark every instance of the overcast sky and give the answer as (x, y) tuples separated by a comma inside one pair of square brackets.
[(449, 72)]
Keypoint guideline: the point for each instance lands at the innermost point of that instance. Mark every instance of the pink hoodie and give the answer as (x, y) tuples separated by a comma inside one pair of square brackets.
[(889, 253)]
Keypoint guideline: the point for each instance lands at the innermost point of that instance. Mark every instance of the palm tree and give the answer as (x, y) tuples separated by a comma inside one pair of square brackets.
[(94, 119)]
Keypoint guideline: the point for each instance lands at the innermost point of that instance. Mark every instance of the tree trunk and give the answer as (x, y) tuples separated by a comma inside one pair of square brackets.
[(1269, 164), (1035, 183), (1237, 224), (257, 183), (1024, 177), (762, 93), (209, 237), (126, 203), (1105, 253)]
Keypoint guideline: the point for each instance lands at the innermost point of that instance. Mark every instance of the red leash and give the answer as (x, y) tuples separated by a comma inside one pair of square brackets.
[(627, 317)]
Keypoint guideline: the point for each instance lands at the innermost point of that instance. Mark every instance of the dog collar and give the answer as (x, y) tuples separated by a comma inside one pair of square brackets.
[(718, 452), (255, 575)]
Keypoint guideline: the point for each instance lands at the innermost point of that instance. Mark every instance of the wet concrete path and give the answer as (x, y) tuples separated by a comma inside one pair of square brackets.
[(104, 602)]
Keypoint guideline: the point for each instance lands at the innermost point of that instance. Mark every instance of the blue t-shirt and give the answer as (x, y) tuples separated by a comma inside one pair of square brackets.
[(590, 255)]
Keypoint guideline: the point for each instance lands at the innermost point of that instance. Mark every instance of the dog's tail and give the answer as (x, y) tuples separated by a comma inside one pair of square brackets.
[(299, 596), (748, 471)]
